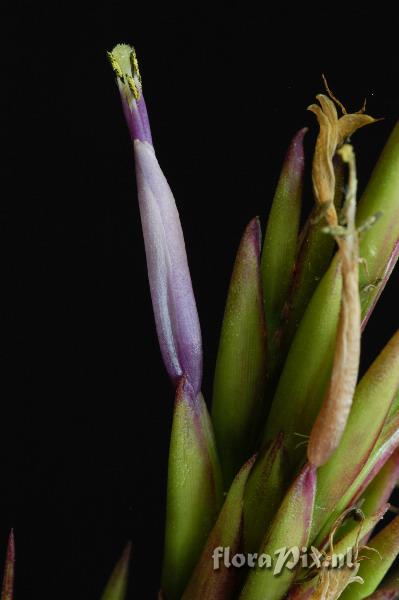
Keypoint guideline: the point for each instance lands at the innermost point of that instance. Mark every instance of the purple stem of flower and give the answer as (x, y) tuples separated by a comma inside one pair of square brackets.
[(136, 116)]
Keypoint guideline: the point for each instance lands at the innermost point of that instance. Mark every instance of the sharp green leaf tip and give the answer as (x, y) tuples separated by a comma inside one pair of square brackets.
[(279, 250), (213, 577), (116, 588), (386, 445), (292, 522), (194, 489), (379, 242), (264, 492), (380, 489), (7, 592), (240, 373), (372, 292)]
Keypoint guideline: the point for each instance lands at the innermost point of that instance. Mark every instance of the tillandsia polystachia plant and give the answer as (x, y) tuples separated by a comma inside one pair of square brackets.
[(296, 454)]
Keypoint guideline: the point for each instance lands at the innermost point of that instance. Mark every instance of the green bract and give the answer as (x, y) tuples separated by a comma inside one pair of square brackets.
[(117, 585)]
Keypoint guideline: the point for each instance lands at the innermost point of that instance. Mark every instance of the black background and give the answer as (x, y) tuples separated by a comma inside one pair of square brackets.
[(86, 406)]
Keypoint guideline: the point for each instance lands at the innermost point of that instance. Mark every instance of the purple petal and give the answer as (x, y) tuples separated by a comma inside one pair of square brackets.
[(172, 295), (136, 116)]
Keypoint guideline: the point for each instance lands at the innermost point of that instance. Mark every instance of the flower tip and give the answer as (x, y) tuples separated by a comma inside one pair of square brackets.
[(124, 62)]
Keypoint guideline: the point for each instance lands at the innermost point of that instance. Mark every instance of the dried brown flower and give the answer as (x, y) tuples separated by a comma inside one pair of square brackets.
[(331, 421), (333, 133)]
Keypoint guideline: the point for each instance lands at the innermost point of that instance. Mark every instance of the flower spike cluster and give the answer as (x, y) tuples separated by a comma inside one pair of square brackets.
[(288, 363)]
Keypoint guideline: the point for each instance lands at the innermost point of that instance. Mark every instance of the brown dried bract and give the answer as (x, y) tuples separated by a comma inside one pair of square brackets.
[(333, 133), (331, 421)]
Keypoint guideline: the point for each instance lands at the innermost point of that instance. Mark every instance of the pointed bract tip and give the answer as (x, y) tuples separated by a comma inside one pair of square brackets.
[(117, 584), (11, 544), (253, 232), (7, 592), (296, 155), (309, 475), (299, 136), (306, 484), (125, 558)]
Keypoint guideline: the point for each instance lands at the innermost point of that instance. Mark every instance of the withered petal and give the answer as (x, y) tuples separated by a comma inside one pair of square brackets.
[(328, 107), (348, 124)]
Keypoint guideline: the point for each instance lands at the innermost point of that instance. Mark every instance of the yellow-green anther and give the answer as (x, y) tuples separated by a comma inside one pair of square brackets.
[(115, 65), (124, 63), (133, 87), (135, 64)]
